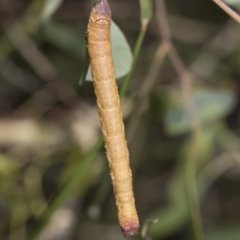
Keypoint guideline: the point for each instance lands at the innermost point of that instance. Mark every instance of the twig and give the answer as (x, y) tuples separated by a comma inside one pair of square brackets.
[(136, 52), (30, 53), (185, 81), (182, 72), (39, 63), (146, 87), (215, 50), (228, 10), (160, 54), (190, 177)]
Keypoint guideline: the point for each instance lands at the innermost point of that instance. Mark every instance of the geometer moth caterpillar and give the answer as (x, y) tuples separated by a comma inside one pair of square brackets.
[(108, 102)]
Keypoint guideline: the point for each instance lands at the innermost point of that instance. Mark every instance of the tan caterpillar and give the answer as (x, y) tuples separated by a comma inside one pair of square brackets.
[(108, 102)]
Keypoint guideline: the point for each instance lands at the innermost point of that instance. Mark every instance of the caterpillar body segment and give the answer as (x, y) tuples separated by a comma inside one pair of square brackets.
[(108, 102)]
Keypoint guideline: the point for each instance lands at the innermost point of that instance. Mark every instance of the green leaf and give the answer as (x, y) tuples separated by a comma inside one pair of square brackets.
[(231, 233), (121, 53), (210, 105), (50, 7), (175, 215), (146, 7)]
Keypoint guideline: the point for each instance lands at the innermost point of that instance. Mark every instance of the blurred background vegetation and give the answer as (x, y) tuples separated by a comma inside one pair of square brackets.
[(181, 107)]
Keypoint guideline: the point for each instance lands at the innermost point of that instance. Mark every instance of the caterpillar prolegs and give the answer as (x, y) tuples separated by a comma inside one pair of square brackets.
[(108, 102)]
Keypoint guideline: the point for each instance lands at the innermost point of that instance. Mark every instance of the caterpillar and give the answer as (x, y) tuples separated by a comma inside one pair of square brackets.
[(108, 102)]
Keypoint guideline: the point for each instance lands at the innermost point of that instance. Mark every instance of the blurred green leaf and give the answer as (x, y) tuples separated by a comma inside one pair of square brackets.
[(234, 3), (33, 190), (50, 7), (210, 105), (31, 18), (8, 166), (121, 53), (77, 177), (30, 22), (64, 38), (231, 233), (176, 214), (146, 10)]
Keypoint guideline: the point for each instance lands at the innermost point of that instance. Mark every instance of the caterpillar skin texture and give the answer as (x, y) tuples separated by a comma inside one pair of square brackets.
[(108, 102)]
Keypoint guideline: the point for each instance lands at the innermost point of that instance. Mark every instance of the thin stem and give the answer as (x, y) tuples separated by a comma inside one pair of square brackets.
[(159, 56), (86, 56), (228, 10), (135, 57), (85, 68), (32, 12), (39, 63), (185, 81), (67, 189), (184, 75), (146, 88), (191, 190)]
